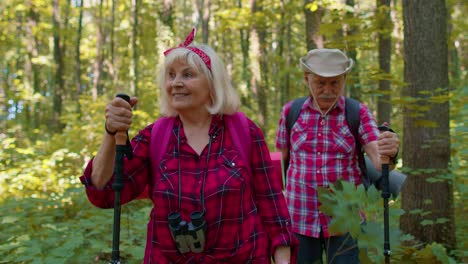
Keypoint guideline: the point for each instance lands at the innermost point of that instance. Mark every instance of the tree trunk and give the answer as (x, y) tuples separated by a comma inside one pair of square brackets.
[(426, 124), (111, 65), (260, 79), (455, 68), (97, 71), (284, 39), (4, 88), (31, 68), (313, 20), (166, 13), (384, 108), (112, 33), (204, 10), (77, 53), (245, 47), (58, 86), (353, 80), (134, 36)]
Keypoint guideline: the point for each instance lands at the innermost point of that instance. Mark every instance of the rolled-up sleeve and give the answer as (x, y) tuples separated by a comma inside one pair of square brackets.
[(282, 136), (136, 174), (267, 185)]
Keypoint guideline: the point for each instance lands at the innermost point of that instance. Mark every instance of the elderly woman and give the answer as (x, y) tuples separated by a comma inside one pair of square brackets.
[(214, 201)]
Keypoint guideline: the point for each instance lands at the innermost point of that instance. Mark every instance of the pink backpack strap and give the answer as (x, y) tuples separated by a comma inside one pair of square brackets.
[(160, 135), (240, 133)]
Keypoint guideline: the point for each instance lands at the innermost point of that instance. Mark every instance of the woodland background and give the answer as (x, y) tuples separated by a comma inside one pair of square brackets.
[(62, 61)]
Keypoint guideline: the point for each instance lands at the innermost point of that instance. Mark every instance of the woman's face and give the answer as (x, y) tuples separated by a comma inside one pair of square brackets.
[(188, 88)]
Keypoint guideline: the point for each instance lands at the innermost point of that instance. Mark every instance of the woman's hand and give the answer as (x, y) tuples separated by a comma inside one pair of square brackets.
[(282, 255), (118, 118), (119, 114)]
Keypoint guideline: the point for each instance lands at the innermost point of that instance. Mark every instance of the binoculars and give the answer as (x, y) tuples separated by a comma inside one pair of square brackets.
[(189, 237)]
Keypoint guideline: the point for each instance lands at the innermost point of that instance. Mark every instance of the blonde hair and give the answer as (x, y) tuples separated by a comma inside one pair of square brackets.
[(225, 99)]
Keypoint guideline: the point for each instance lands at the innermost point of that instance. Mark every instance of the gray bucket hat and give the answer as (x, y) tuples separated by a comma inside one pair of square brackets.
[(326, 62)]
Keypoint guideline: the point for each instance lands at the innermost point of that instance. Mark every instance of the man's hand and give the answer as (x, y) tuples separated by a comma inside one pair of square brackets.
[(282, 255), (388, 144)]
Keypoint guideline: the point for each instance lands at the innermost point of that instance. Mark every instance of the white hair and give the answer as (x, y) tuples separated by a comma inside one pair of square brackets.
[(225, 99)]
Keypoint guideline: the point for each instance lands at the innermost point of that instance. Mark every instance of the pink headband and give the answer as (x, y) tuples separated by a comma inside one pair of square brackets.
[(205, 58)]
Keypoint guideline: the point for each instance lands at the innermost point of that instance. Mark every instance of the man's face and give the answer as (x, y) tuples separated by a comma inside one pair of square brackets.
[(325, 90)]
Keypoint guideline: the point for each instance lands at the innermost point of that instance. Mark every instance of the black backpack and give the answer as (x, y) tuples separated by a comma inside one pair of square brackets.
[(352, 117)]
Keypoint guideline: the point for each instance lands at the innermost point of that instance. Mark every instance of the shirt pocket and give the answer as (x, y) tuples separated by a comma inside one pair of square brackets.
[(229, 175), (299, 138), (343, 143), (168, 177)]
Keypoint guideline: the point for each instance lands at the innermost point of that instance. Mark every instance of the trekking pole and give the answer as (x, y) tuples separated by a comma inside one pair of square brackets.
[(123, 149), (385, 160)]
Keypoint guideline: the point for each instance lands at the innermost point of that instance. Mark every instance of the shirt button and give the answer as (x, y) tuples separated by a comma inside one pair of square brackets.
[(319, 153), (233, 164), (322, 122), (319, 134), (318, 171)]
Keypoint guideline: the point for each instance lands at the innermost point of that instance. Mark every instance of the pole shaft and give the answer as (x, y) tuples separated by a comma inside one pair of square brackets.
[(386, 196), (116, 229), (117, 186), (122, 149)]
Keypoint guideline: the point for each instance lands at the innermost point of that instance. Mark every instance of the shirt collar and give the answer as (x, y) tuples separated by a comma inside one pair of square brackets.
[(340, 104), (215, 126)]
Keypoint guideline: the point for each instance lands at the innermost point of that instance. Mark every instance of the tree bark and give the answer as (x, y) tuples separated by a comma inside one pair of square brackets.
[(31, 68), (97, 71), (58, 86), (353, 80), (313, 21), (260, 79), (426, 124), (284, 39), (77, 53), (384, 108), (166, 13), (245, 47), (204, 14), (134, 37), (112, 33)]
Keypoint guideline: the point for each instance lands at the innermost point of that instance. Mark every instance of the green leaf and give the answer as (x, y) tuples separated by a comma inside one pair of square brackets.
[(442, 220), (427, 222)]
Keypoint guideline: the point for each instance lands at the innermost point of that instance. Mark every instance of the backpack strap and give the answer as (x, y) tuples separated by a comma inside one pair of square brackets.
[(291, 118), (240, 134), (160, 134), (294, 112), (352, 108)]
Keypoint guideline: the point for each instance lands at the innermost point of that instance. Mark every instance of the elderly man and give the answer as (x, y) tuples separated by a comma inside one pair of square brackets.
[(321, 149)]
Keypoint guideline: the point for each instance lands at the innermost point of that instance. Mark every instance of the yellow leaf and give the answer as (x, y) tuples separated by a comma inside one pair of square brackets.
[(312, 6)]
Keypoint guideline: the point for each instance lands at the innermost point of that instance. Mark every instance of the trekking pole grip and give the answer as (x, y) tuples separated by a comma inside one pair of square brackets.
[(384, 159), (121, 136)]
